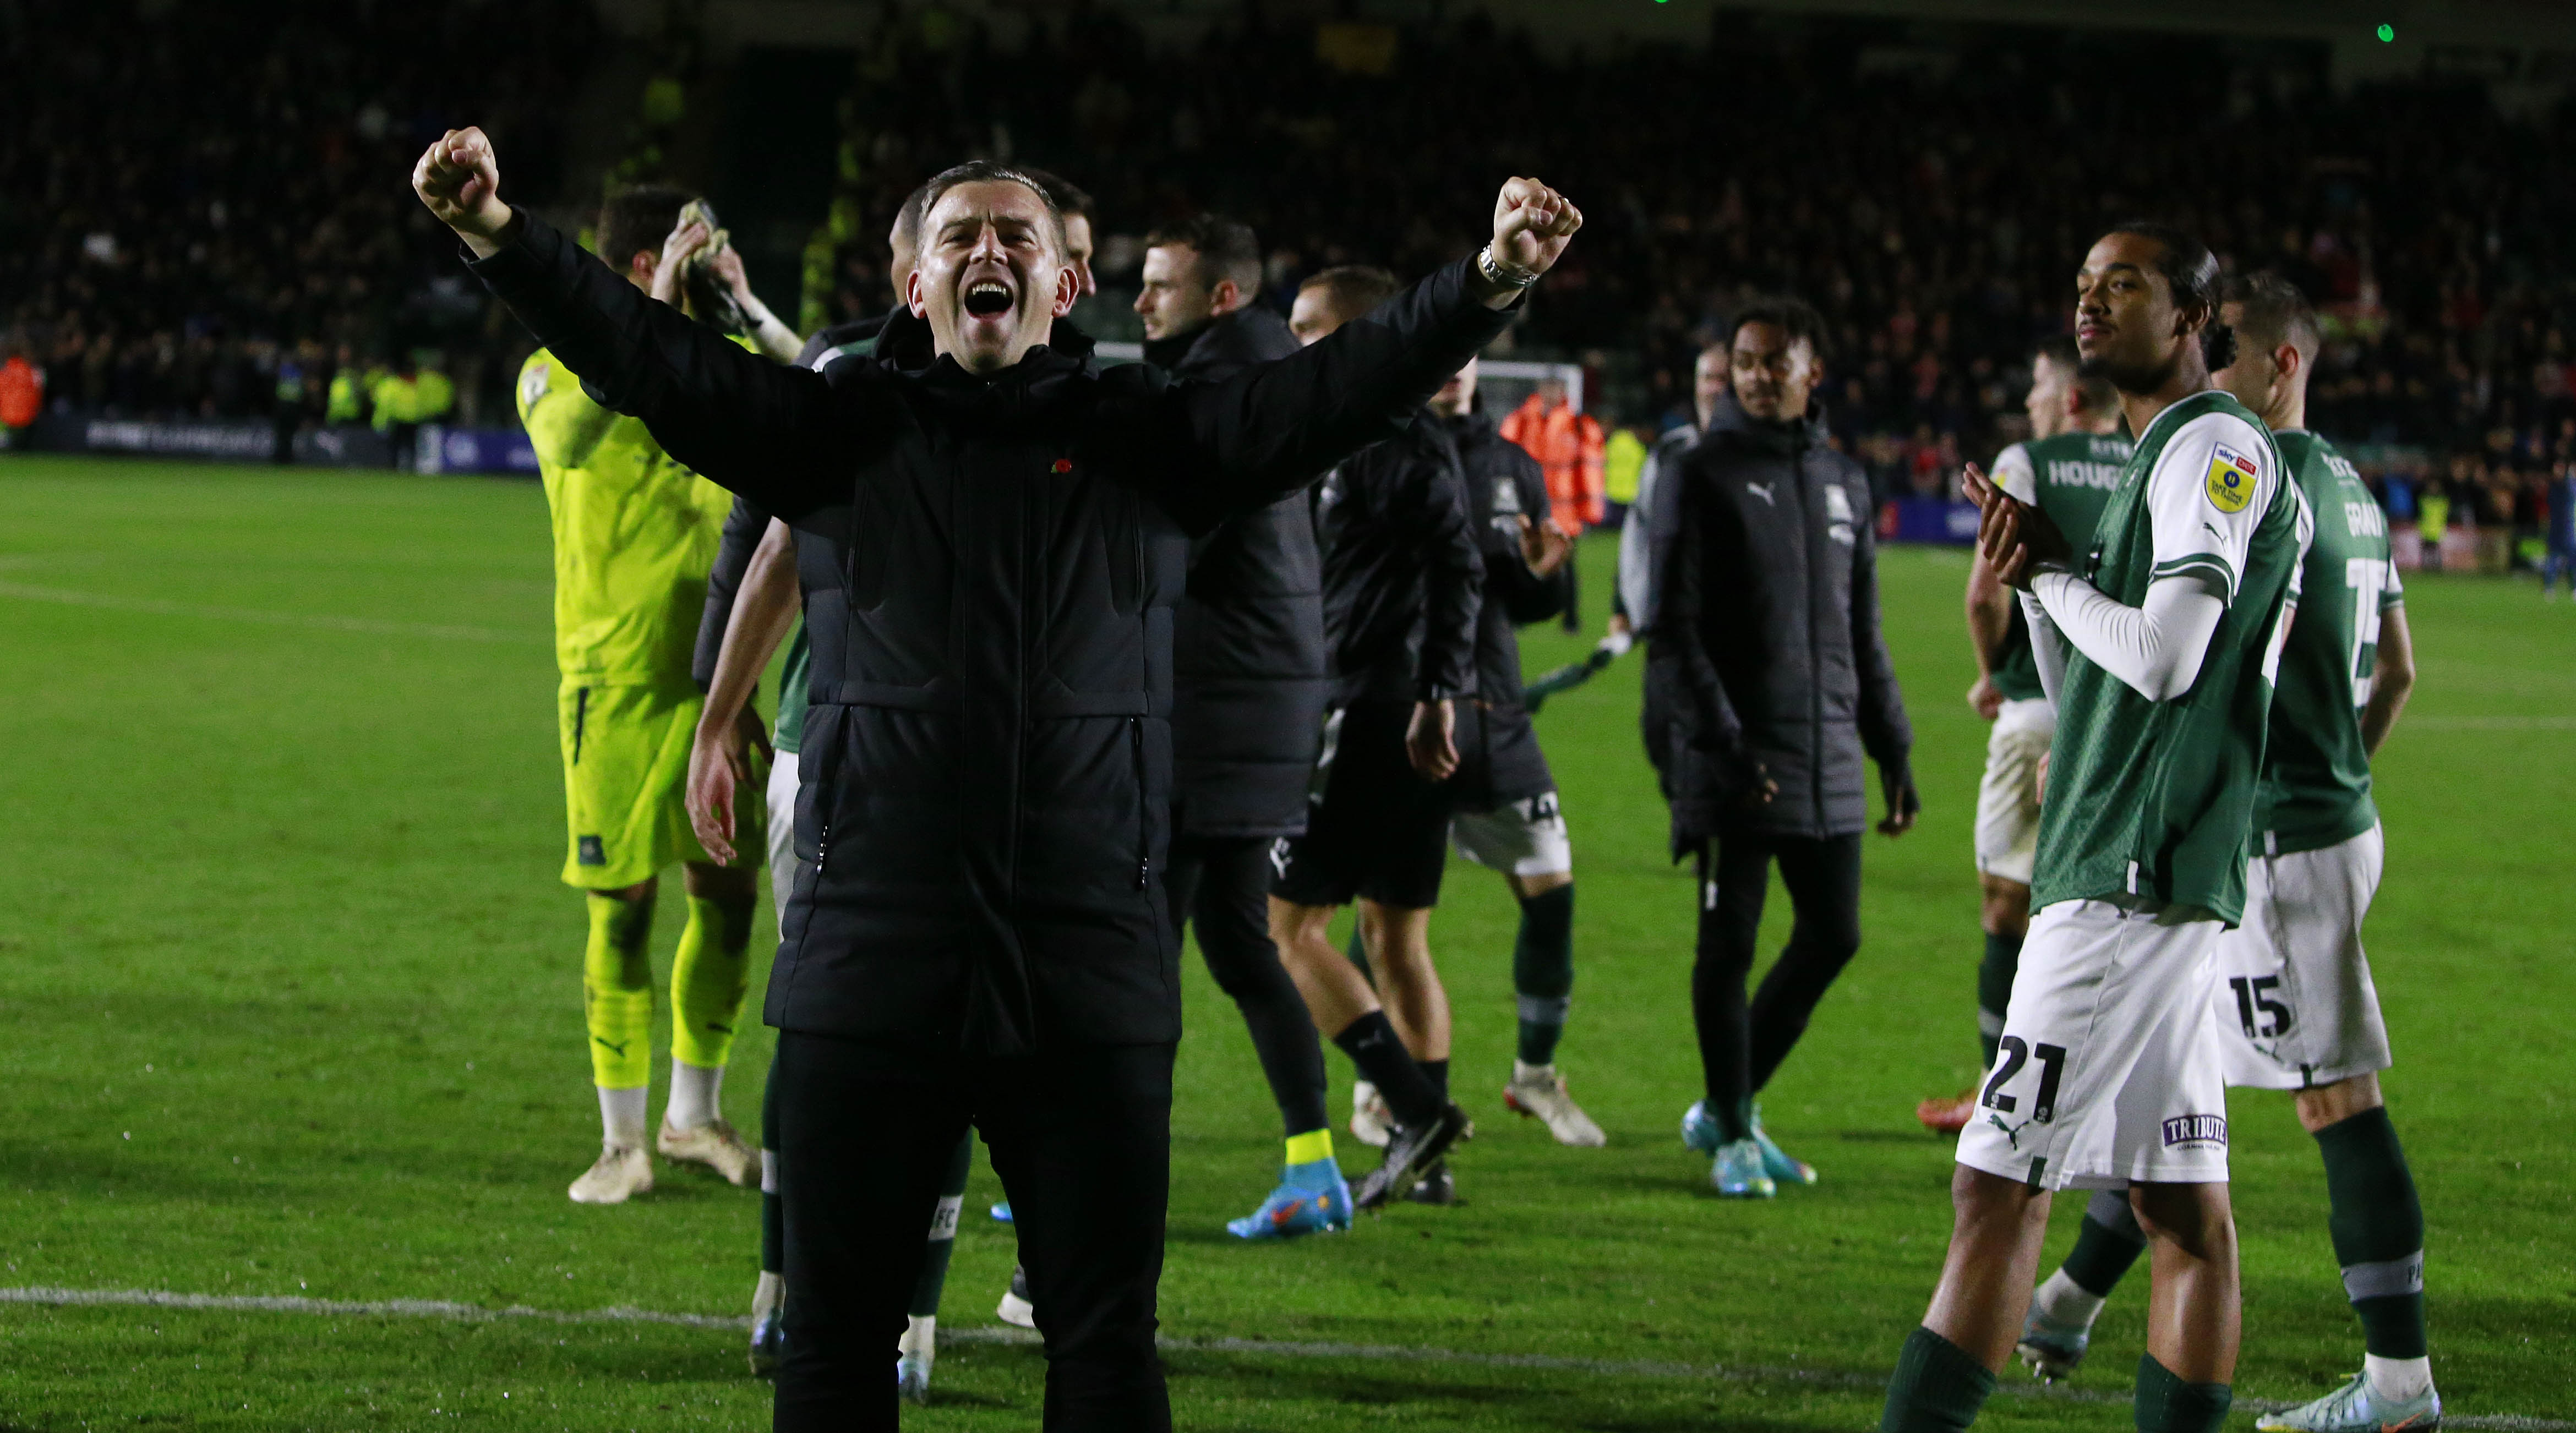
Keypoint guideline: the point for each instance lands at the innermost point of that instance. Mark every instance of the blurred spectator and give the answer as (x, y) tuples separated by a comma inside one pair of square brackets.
[(190, 192), (22, 391)]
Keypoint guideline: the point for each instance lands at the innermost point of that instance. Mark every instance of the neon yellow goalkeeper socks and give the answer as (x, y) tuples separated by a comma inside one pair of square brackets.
[(708, 979), (617, 992)]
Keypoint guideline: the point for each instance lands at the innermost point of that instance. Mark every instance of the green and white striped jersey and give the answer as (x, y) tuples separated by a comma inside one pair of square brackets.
[(2316, 772), (2070, 477), (2152, 801)]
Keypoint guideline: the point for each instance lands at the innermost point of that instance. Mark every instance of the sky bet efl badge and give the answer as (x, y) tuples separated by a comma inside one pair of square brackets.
[(2231, 479)]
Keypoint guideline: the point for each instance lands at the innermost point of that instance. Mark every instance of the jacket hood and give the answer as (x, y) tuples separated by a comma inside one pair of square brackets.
[(1729, 423), (1251, 334)]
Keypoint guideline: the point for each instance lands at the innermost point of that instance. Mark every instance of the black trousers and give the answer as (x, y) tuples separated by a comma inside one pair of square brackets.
[(1221, 884), (1082, 1139), (1740, 1046)]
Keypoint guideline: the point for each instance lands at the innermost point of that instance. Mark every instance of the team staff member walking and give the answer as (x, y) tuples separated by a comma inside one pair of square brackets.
[(990, 532), (1248, 698), (1770, 608), (1402, 586), (1508, 817)]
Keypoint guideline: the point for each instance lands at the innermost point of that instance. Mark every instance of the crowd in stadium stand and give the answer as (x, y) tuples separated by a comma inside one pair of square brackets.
[(1926, 201), (191, 201)]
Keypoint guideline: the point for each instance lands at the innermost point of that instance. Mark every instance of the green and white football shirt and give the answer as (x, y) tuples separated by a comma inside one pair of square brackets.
[(2069, 477), (2152, 801), (2316, 772)]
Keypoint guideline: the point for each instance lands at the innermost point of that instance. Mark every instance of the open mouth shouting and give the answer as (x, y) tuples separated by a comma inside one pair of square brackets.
[(989, 298)]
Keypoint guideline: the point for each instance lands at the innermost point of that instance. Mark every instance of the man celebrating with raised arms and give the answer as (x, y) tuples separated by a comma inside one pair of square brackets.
[(990, 534), (2109, 1073)]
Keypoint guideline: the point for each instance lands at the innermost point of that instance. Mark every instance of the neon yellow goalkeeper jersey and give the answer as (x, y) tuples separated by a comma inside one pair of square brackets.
[(635, 534)]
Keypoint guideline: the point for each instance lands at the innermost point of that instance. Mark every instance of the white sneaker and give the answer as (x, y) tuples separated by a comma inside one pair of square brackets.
[(718, 1146), (1372, 1123), (622, 1172), (1539, 1091), (1015, 1308)]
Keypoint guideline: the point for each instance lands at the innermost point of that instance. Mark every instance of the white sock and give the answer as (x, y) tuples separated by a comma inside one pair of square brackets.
[(621, 1117), (768, 1294), (1522, 1071), (920, 1339), (695, 1094), (2061, 1300), (2397, 1379)]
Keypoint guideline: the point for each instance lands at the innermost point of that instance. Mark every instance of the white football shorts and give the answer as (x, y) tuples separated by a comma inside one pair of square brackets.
[(1519, 838), (2294, 1003), (2109, 1071), (2008, 795), (782, 832)]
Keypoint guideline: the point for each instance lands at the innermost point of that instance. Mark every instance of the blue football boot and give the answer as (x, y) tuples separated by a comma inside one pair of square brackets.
[(1699, 1129), (1312, 1198), (1002, 1211), (1775, 1161)]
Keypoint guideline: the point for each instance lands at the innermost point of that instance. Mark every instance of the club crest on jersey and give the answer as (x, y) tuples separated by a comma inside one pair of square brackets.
[(2231, 479)]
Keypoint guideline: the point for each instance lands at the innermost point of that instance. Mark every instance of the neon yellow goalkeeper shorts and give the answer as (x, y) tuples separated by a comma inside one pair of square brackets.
[(626, 772)]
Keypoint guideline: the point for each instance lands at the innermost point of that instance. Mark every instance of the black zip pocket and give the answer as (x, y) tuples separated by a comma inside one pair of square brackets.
[(1144, 797), (580, 720)]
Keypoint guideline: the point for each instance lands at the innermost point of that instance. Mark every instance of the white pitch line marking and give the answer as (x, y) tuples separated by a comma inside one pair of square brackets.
[(1000, 1334), (366, 625)]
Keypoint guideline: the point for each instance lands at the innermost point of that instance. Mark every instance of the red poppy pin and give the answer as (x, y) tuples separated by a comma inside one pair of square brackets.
[(1064, 465)]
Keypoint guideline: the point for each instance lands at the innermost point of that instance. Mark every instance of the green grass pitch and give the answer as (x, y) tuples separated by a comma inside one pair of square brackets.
[(290, 1000)]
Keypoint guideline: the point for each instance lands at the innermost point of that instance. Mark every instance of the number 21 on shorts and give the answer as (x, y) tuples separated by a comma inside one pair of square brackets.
[(2017, 1053)]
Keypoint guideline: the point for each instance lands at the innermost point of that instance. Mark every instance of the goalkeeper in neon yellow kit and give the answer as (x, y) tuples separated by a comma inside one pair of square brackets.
[(634, 535)]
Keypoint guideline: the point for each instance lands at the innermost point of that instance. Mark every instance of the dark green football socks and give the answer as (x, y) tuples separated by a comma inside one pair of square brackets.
[(1994, 991), (1543, 972), (2378, 1231), (1938, 1387), (2166, 1404), (943, 1232), (2107, 1244)]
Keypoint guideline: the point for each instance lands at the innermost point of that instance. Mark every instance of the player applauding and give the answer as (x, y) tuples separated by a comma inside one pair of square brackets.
[(2158, 644)]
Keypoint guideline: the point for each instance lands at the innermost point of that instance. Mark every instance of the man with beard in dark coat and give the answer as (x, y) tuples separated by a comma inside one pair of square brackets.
[(1770, 610), (1247, 701), (990, 533), (1508, 817)]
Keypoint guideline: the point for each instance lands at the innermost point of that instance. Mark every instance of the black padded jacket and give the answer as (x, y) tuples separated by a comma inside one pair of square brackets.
[(1504, 484), (1402, 581), (1248, 678), (988, 564), (1769, 610)]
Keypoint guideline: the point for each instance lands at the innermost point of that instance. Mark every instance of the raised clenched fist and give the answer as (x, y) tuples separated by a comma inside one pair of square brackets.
[(459, 178), (1532, 224)]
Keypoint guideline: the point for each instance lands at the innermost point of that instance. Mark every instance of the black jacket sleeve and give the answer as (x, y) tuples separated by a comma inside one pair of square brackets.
[(1884, 729), (1435, 517), (760, 428), (1525, 596), (1243, 442), (743, 529)]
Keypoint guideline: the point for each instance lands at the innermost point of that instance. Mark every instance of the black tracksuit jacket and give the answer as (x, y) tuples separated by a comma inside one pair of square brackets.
[(1248, 680), (988, 564), (1503, 485), (1770, 610), (1402, 580)]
